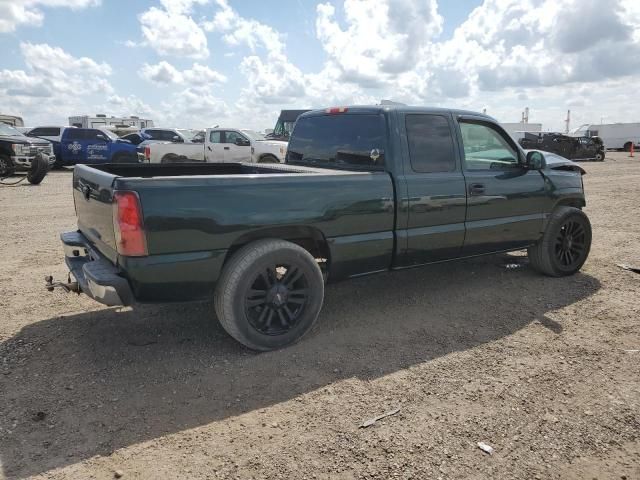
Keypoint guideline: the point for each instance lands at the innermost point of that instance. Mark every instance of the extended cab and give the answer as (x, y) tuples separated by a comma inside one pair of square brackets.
[(220, 145), (364, 190), (93, 146)]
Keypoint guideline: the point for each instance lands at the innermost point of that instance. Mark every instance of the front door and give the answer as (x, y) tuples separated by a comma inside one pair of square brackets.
[(436, 199), (214, 149), (234, 152), (505, 200), (98, 146)]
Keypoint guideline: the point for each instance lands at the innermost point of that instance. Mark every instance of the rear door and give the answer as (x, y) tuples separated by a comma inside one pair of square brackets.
[(73, 148), (233, 152), (436, 200), (98, 147), (505, 201)]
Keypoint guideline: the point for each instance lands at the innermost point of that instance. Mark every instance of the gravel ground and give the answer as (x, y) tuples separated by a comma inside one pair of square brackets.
[(546, 371)]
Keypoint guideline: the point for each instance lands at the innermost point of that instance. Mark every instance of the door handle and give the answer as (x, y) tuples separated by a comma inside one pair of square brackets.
[(226, 148), (476, 189), (209, 148)]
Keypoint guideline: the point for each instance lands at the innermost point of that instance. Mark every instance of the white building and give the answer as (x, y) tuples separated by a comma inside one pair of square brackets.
[(101, 120), (518, 129)]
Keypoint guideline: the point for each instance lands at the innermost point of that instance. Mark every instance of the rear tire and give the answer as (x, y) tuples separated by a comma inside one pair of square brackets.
[(565, 244), (269, 294), (125, 158), (268, 159), (627, 147)]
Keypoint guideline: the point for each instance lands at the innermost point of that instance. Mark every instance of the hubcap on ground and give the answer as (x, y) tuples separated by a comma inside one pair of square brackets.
[(276, 299), (570, 243)]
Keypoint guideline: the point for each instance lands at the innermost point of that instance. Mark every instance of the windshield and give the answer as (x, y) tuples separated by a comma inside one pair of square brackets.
[(9, 131), (188, 134), (253, 135), (354, 142), (109, 134)]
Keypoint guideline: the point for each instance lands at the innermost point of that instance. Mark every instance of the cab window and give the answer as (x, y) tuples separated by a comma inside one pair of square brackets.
[(485, 147), (215, 137), (430, 143), (232, 137)]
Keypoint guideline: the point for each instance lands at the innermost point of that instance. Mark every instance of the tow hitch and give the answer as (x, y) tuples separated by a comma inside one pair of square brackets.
[(67, 287)]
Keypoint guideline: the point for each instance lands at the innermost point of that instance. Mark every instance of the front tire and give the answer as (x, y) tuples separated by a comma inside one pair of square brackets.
[(600, 156), (565, 245), (269, 294), (6, 166)]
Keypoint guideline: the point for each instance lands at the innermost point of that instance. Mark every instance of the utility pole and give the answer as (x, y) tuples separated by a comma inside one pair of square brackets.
[(567, 122)]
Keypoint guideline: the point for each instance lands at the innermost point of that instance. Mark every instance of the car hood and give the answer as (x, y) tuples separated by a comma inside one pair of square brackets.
[(558, 162), (24, 140)]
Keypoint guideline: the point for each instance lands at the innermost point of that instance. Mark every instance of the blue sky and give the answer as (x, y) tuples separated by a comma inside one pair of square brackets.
[(148, 57)]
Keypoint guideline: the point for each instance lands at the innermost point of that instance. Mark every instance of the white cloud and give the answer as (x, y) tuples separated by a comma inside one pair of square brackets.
[(54, 83), (381, 39), (16, 13), (163, 73), (171, 31)]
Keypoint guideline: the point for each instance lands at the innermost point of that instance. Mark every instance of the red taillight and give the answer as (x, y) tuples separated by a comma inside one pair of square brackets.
[(147, 153), (335, 110), (131, 240)]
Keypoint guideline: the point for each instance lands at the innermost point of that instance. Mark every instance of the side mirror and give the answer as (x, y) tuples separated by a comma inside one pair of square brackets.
[(535, 160), (176, 139), (241, 142)]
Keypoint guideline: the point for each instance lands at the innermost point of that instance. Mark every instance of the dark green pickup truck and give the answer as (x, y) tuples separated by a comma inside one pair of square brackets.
[(364, 190)]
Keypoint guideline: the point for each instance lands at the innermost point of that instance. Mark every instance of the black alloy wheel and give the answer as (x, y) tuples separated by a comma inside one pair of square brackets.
[(570, 244), (276, 299)]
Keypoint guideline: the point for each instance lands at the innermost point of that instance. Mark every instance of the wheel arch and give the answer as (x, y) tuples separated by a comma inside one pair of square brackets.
[(576, 202), (309, 238)]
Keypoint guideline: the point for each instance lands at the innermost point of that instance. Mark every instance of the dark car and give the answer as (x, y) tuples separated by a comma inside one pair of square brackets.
[(573, 148), (365, 189), (284, 125), (18, 152)]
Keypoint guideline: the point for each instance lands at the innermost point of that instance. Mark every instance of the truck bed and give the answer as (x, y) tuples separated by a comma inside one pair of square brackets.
[(196, 213)]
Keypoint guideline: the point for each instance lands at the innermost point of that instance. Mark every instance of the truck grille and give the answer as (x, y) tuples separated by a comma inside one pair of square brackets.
[(35, 149)]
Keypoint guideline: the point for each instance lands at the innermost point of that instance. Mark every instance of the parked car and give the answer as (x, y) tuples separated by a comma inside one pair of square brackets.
[(220, 145), (18, 152), (93, 146), (573, 148), (364, 190)]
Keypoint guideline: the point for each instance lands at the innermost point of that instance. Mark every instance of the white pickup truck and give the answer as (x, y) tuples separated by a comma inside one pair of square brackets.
[(219, 145)]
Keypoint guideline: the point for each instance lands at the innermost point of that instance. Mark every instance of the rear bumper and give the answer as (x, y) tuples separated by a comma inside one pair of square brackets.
[(97, 277)]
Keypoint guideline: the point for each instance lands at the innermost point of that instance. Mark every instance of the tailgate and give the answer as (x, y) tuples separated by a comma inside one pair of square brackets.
[(92, 195)]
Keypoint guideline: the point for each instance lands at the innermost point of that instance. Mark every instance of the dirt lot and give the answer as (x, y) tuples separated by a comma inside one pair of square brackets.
[(547, 371)]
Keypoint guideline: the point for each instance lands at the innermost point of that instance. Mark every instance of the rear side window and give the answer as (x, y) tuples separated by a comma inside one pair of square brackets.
[(44, 132), (350, 141), (153, 134), (430, 144), (74, 134)]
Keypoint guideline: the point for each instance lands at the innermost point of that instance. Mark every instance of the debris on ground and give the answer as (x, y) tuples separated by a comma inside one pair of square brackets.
[(513, 266), (485, 447), (118, 474), (371, 421), (631, 268)]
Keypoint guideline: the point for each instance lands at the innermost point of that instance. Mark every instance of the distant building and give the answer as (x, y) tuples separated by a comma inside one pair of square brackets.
[(12, 120), (517, 130), (101, 120)]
